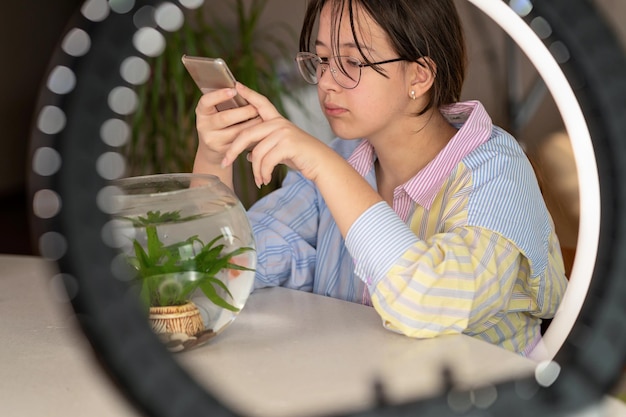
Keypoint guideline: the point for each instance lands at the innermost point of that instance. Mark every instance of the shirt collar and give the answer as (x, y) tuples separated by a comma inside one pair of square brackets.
[(475, 129)]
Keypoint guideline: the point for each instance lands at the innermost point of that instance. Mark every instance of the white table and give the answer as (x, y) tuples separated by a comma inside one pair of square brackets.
[(47, 366), (289, 353)]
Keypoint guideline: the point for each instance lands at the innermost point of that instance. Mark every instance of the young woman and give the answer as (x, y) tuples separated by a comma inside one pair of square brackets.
[(420, 207)]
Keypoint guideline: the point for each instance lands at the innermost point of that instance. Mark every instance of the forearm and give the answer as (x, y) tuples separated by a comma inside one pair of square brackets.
[(202, 165), (347, 194)]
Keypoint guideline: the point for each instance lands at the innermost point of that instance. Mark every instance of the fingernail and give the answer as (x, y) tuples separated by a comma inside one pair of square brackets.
[(224, 163), (232, 92)]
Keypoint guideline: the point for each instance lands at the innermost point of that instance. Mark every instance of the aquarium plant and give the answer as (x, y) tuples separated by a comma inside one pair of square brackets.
[(169, 274)]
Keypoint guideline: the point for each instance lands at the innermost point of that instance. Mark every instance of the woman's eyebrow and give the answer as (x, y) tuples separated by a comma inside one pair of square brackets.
[(352, 45)]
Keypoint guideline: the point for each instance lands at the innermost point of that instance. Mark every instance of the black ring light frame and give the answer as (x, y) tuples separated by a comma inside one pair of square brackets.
[(592, 358)]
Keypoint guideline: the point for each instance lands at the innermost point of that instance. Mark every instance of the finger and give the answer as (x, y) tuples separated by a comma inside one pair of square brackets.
[(208, 101), (248, 138), (243, 142), (219, 139), (236, 117), (264, 158), (236, 130), (221, 119), (266, 109)]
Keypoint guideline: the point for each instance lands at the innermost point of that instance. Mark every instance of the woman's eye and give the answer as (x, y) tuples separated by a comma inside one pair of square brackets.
[(352, 62)]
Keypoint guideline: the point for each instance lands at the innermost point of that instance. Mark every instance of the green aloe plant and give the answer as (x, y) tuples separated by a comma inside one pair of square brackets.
[(159, 267), (164, 138)]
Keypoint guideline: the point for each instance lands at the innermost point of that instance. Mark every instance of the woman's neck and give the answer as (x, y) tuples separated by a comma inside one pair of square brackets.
[(401, 157)]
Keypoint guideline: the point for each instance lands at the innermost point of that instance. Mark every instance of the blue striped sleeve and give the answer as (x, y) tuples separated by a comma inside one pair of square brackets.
[(376, 240), (285, 225)]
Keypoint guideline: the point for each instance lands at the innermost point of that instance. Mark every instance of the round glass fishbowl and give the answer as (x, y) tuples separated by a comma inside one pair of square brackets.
[(189, 247)]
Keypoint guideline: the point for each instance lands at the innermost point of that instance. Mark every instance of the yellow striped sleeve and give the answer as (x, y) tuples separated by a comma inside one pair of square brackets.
[(469, 281), (447, 283)]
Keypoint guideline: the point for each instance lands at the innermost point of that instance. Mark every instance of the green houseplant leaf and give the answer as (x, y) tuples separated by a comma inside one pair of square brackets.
[(168, 274)]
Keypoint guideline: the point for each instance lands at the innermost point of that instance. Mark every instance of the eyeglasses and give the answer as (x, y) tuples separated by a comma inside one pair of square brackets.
[(346, 70)]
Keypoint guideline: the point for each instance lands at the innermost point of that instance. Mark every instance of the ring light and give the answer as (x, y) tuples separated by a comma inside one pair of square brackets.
[(80, 124), (589, 187)]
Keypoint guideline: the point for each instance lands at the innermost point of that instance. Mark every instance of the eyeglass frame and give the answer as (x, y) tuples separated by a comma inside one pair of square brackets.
[(333, 70)]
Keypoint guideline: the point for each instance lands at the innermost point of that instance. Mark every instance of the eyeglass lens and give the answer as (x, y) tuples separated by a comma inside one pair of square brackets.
[(345, 70)]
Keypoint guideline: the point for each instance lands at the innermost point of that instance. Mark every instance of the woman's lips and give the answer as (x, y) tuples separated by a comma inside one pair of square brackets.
[(332, 110)]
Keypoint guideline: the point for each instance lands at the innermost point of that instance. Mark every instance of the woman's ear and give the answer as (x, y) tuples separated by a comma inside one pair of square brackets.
[(422, 75)]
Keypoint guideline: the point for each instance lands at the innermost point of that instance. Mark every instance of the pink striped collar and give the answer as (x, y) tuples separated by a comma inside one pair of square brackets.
[(423, 188)]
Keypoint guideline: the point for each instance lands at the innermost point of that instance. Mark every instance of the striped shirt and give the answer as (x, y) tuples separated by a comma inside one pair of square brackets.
[(468, 246)]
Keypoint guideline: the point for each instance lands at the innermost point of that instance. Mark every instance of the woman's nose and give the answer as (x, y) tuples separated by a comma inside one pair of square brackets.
[(326, 80)]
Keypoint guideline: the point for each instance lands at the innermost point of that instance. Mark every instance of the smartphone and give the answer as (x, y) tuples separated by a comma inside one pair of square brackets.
[(213, 74)]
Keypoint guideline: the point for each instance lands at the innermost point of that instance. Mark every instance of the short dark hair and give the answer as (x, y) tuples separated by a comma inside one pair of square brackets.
[(416, 29)]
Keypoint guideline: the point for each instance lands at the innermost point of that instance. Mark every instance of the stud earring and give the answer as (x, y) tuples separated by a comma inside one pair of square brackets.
[(413, 95)]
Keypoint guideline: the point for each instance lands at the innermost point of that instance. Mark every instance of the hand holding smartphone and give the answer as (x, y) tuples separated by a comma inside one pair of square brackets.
[(213, 74)]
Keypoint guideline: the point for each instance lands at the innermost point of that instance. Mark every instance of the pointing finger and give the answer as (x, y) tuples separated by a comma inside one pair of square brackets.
[(266, 109)]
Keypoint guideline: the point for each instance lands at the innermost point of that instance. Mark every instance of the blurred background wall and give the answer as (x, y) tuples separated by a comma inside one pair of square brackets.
[(30, 29)]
